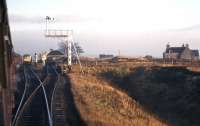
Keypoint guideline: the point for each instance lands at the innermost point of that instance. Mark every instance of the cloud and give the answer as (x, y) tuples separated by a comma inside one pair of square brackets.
[(18, 18), (190, 28)]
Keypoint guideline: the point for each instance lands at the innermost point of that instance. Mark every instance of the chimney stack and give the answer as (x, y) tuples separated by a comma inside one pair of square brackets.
[(168, 45), (187, 45)]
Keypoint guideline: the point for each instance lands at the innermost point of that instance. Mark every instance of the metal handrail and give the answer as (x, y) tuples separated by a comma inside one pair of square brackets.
[(57, 33)]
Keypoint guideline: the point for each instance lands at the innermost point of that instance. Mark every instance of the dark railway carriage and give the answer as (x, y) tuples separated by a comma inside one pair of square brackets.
[(7, 68)]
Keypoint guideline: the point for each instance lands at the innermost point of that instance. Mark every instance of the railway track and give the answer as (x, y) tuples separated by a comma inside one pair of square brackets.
[(63, 109), (31, 109), (32, 103), (58, 104), (23, 96), (42, 102)]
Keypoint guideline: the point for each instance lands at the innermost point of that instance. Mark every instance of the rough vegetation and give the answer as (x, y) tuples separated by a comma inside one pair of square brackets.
[(171, 93), (100, 104), (163, 95)]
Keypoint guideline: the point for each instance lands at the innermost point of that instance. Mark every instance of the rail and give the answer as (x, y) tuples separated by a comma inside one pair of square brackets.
[(45, 96), (58, 102), (21, 109), (23, 97), (52, 97), (28, 101), (33, 93)]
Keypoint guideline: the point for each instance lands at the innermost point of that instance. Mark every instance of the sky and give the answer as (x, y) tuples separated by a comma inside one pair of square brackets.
[(135, 27)]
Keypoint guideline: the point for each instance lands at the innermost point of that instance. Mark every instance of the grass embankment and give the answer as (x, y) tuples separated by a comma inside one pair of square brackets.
[(171, 93), (100, 104), (113, 95)]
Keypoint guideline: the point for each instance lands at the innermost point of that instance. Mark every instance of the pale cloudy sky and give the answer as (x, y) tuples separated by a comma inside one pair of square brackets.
[(136, 27)]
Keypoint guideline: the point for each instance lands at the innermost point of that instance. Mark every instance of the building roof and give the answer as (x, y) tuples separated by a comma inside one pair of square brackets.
[(105, 56), (195, 52), (55, 53), (175, 50)]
